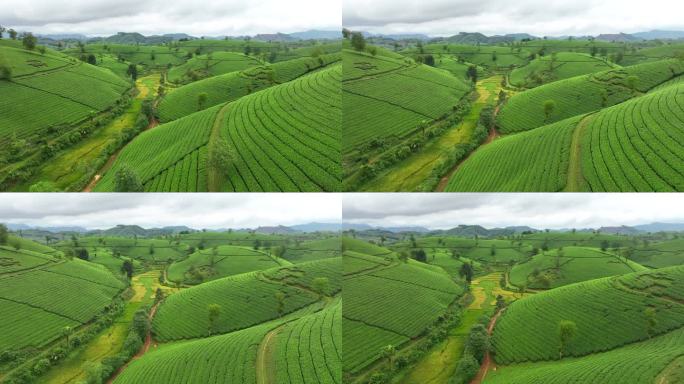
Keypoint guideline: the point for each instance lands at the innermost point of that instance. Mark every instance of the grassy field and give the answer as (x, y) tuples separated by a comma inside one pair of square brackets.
[(388, 97), (388, 303), (560, 66), (569, 265), (408, 174)]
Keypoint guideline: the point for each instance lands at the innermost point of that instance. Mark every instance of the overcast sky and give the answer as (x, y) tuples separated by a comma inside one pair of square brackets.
[(207, 17), (537, 17), (197, 210), (541, 211)]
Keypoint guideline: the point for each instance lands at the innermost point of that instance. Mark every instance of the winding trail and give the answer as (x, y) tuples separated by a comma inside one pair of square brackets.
[(575, 180), (473, 117), (487, 363), (264, 375), (408, 174), (145, 90), (143, 350)]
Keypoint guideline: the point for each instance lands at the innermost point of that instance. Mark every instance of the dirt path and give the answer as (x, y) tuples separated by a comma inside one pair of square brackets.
[(575, 179), (493, 134), (144, 91), (487, 363), (264, 374), (213, 175), (143, 350), (410, 173)]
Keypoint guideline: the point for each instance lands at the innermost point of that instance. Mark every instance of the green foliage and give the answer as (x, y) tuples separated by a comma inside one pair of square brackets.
[(127, 180), (616, 304), (645, 155)]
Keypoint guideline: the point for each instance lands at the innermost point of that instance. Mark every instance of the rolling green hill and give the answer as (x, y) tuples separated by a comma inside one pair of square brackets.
[(608, 313), (654, 360), (569, 265), (388, 302), (386, 97), (536, 160), (246, 300), (305, 350), (297, 151), (233, 85), (660, 254), (211, 64), (554, 67), (53, 292), (49, 93), (632, 146), (637, 145), (582, 94), (227, 260)]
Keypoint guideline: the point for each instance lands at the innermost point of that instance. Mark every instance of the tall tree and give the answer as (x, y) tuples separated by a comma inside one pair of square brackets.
[(127, 180), (566, 330), (214, 311), (358, 42), (29, 41), (3, 234)]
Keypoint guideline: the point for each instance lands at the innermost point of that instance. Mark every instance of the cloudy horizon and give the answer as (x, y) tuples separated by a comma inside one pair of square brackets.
[(199, 211), (158, 17), (492, 210), (498, 17)]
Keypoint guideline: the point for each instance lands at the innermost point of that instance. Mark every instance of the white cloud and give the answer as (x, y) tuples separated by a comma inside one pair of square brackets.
[(209, 17), (540, 210), (196, 210), (538, 17)]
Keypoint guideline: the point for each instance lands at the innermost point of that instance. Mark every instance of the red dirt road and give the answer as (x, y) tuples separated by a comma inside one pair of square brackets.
[(487, 363), (143, 350)]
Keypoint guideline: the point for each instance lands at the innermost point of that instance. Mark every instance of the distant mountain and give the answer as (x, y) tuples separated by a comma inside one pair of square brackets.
[(661, 227), (17, 227), (317, 227), (138, 38), (356, 227), (315, 34), (616, 37), (279, 229), (657, 34), (123, 231), (467, 231), (479, 38), (281, 37), (24, 227), (621, 230), (405, 229), (62, 36)]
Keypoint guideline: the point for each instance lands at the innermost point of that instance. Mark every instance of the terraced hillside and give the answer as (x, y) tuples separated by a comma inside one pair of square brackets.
[(633, 146), (211, 64), (660, 254), (144, 55), (53, 292), (246, 300), (387, 97), (569, 265), (236, 356), (233, 85), (612, 344), (297, 151), (484, 55), (222, 261), (559, 66), (612, 315), (388, 302), (142, 249), (64, 90), (583, 94), (636, 146)]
